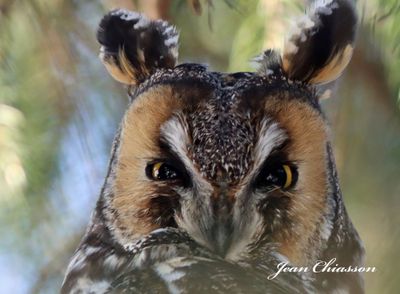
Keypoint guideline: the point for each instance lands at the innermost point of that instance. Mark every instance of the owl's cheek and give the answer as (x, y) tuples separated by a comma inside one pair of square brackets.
[(290, 232), (163, 209), (274, 210)]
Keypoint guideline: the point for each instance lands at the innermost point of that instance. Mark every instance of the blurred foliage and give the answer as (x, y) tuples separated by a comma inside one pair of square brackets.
[(381, 25), (59, 111), (29, 119)]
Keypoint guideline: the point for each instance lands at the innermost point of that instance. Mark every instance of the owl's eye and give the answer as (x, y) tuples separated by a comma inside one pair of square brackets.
[(162, 171), (278, 175)]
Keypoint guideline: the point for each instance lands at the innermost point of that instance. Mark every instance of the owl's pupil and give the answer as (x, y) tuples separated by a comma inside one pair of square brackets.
[(166, 172), (276, 178)]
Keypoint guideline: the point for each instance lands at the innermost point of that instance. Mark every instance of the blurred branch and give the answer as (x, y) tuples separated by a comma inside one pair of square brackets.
[(367, 65), (5, 7), (195, 5)]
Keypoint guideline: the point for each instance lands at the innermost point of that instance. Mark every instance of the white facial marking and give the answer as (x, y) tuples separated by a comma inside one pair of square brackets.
[(197, 217), (326, 229), (247, 223), (244, 233), (175, 133), (271, 137)]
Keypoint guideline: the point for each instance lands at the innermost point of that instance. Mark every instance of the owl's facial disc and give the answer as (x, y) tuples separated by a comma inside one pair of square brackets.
[(230, 168)]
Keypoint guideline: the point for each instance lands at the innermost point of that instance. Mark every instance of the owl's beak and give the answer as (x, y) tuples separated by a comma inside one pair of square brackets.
[(222, 229), (221, 235)]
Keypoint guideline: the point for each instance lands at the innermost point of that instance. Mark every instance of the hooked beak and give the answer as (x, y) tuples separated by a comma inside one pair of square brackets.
[(222, 229)]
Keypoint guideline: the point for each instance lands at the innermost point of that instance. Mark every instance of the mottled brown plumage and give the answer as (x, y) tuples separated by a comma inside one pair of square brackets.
[(216, 178)]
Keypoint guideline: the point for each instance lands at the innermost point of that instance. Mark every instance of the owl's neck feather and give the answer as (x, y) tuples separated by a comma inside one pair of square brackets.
[(343, 241)]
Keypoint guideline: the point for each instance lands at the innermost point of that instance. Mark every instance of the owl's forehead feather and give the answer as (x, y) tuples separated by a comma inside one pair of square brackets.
[(220, 114), (247, 89)]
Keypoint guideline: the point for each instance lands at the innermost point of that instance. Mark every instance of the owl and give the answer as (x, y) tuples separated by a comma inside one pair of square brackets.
[(217, 179)]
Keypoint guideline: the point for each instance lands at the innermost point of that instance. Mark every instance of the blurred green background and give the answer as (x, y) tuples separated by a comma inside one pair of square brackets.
[(59, 110)]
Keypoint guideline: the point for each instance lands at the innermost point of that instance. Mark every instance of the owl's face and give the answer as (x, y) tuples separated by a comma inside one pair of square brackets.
[(231, 159), (238, 161)]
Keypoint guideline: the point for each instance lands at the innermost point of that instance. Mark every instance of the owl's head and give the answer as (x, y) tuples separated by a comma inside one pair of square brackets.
[(236, 160)]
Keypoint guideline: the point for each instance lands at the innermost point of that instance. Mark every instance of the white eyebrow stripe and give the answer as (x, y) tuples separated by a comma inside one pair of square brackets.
[(175, 133), (271, 136)]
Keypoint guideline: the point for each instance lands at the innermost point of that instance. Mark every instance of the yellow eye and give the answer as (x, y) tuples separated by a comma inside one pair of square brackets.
[(281, 175), (289, 176), (155, 171), (161, 171)]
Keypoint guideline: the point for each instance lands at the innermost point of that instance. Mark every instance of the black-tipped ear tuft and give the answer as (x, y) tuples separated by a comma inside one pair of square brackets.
[(321, 46), (134, 47)]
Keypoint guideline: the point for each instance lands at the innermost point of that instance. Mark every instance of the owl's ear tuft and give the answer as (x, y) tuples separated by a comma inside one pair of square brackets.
[(320, 47), (268, 63), (134, 47)]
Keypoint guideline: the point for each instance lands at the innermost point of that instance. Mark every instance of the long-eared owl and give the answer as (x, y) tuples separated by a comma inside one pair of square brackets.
[(216, 179)]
